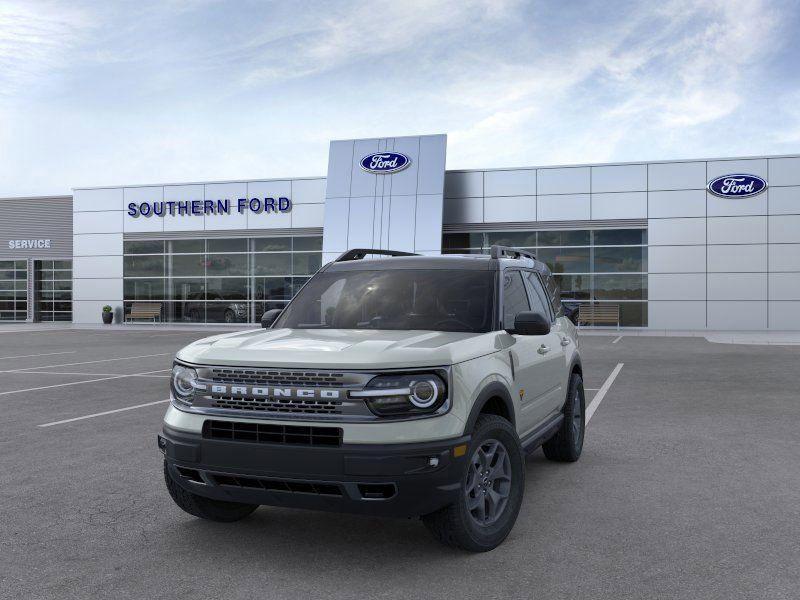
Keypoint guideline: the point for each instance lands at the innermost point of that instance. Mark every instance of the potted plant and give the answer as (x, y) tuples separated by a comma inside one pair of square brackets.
[(108, 315)]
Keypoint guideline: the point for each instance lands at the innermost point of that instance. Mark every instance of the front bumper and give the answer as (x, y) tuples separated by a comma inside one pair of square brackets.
[(401, 480)]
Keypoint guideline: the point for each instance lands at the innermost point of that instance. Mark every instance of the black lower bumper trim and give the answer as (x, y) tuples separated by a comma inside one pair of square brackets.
[(401, 480)]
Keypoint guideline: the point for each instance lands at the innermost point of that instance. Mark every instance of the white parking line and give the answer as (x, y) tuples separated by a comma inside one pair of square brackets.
[(86, 362), (33, 355), (89, 374), (47, 387), (598, 397), (616, 340), (107, 412)]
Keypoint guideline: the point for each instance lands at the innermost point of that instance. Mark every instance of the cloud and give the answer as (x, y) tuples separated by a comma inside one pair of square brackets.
[(35, 38)]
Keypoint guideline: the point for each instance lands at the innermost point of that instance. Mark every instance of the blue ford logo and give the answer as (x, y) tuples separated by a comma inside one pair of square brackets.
[(737, 186), (385, 163)]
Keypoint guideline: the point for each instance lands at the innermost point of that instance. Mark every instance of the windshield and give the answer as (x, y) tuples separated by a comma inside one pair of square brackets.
[(436, 300)]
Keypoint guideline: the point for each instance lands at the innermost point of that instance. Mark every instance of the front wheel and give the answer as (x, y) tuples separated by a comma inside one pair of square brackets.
[(206, 508), (491, 490), (567, 444)]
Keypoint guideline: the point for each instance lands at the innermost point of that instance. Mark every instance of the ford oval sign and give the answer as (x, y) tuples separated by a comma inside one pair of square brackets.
[(737, 186), (385, 163)]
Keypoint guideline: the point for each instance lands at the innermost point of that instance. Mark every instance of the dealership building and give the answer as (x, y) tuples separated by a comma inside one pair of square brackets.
[(683, 244)]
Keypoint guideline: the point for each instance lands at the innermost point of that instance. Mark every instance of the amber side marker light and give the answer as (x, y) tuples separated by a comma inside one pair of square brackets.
[(460, 450)]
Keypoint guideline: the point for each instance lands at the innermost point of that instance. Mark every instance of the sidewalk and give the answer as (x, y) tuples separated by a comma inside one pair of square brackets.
[(783, 338)]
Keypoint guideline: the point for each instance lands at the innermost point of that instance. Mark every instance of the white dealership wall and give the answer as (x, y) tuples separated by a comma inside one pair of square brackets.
[(100, 222), (713, 263)]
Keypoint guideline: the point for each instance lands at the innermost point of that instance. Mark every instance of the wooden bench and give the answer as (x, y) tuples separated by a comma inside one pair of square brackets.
[(593, 314), (144, 310)]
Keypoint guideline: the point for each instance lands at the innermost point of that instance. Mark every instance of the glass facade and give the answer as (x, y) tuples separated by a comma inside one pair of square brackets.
[(54, 290), (13, 290), (228, 280), (590, 265)]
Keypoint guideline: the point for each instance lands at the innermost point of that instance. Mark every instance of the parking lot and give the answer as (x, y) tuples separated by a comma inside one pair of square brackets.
[(687, 488)]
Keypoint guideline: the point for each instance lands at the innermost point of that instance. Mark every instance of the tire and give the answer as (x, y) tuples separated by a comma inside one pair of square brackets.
[(567, 444), (457, 525), (206, 508)]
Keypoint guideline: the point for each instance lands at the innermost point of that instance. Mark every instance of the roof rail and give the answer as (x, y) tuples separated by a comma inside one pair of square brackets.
[(359, 253), (509, 252)]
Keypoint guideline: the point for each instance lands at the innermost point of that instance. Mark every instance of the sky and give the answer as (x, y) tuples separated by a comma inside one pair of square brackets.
[(112, 92)]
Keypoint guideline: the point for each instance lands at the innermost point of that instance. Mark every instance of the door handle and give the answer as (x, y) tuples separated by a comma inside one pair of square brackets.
[(565, 341), (543, 349)]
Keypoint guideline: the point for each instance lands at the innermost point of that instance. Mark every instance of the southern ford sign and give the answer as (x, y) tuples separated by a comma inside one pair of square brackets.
[(209, 207), (385, 163), (737, 186)]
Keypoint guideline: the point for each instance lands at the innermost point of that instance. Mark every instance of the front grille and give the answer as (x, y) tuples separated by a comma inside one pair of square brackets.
[(267, 377), (279, 485), (280, 405), (263, 433)]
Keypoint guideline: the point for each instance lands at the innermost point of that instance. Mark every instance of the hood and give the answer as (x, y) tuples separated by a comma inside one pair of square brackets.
[(339, 348)]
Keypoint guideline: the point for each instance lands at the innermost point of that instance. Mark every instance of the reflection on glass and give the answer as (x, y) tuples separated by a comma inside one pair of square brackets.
[(272, 244), (620, 237), (565, 260), (226, 264), (230, 245), (564, 238), (272, 264), (143, 247), (463, 240), (187, 246), (518, 239), (620, 287), (306, 263), (620, 260), (307, 244), (187, 265)]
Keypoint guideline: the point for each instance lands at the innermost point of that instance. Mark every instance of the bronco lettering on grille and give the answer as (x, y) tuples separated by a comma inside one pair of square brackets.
[(274, 392)]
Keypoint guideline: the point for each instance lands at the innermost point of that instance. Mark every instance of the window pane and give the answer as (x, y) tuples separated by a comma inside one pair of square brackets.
[(62, 264), (273, 288), (227, 245), (515, 298), (143, 247), (565, 260), (272, 264), (227, 288), (187, 246), (564, 238), (574, 287), (144, 289), (520, 239), (307, 244), (143, 266), (620, 260), (188, 289), (619, 237), (306, 263), (620, 287), (536, 295), (187, 265), (462, 240), (282, 244), (226, 264)]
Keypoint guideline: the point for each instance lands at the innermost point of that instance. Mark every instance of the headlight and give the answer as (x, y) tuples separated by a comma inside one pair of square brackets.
[(184, 380), (407, 394)]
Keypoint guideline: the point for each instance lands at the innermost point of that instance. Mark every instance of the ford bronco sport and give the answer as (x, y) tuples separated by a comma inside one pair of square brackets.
[(405, 385)]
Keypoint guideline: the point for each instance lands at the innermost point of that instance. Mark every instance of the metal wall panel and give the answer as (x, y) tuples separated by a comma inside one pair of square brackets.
[(520, 182), (676, 203), (36, 219), (676, 176), (784, 200), (568, 180), (784, 171), (619, 178)]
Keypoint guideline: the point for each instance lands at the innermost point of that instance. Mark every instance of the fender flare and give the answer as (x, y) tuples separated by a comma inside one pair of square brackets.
[(494, 389)]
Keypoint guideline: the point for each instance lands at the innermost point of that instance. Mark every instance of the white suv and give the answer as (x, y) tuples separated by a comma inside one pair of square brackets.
[(400, 386)]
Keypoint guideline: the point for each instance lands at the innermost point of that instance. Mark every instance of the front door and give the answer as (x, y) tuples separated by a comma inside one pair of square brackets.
[(536, 367)]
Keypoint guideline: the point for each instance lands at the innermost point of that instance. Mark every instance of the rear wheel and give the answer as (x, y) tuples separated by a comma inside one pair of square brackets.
[(566, 445), (206, 508), (491, 490)]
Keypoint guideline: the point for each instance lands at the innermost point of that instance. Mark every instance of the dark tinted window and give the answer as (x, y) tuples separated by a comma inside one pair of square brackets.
[(396, 300), (515, 298), (620, 237), (538, 298)]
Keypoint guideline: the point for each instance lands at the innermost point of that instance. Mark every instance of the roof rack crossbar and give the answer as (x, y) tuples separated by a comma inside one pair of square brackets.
[(507, 251), (359, 253)]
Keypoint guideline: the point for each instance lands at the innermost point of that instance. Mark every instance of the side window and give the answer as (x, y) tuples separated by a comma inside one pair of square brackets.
[(539, 301), (515, 298)]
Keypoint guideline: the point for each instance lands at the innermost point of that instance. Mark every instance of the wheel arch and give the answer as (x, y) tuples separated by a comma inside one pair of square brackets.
[(493, 399)]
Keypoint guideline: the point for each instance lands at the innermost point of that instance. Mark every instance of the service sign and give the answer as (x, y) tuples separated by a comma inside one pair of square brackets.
[(28, 244), (385, 163), (737, 186)]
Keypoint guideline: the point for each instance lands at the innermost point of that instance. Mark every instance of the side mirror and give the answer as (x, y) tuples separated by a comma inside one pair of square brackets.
[(531, 323), (268, 318), (571, 312)]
